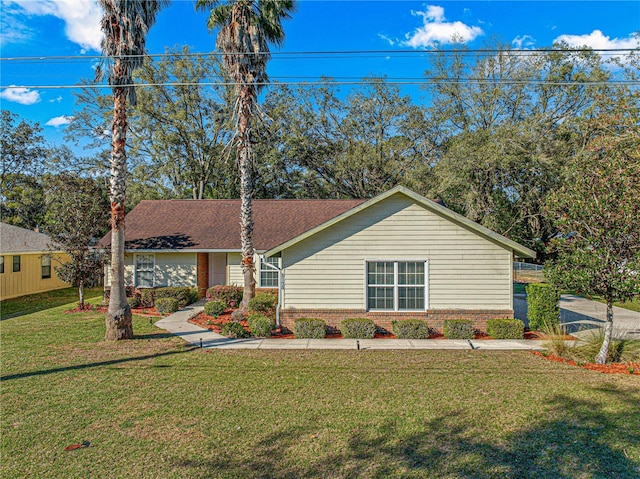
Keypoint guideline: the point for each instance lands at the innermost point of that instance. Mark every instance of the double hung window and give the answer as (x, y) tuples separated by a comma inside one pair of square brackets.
[(46, 266), (268, 275), (396, 285), (145, 267)]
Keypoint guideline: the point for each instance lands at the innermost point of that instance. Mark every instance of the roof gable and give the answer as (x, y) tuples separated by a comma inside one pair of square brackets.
[(435, 207)]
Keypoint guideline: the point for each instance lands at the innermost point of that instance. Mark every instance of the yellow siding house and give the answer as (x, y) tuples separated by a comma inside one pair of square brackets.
[(26, 263)]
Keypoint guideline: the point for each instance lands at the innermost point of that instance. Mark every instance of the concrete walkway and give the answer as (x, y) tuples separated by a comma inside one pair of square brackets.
[(178, 324), (580, 315)]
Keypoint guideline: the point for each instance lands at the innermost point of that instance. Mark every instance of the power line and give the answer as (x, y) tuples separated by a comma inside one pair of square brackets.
[(346, 53), (426, 81)]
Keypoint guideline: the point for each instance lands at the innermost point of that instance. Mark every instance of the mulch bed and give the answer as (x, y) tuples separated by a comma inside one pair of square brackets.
[(148, 312), (215, 325), (612, 368)]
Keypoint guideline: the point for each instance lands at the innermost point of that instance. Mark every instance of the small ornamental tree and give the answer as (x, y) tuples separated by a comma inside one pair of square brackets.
[(77, 215), (597, 213)]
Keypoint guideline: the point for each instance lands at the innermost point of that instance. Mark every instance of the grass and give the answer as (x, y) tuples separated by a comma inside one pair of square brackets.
[(153, 407), (32, 303)]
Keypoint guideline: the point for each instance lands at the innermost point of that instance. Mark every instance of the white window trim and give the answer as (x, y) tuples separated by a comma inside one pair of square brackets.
[(135, 269), (269, 270), (395, 262)]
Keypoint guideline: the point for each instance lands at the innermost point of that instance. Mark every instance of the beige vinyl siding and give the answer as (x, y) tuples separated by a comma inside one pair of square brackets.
[(29, 279), (176, 269), (465, 270), (171, 269), (234, 269)]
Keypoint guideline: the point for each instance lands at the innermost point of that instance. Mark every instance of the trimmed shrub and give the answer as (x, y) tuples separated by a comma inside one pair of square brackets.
[(309, 328), (134, 301), (167, 305), (358, 328), (504, 328), (130, 291), (458, 328), (260, 325), (410, 329), (234, 330), (543, 310), (214, 308), (147, 298), (264, 303), (231, 295), (184, 294)]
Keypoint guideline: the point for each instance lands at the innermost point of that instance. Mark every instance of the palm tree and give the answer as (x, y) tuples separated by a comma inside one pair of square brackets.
[(246, 27), (125, 24)]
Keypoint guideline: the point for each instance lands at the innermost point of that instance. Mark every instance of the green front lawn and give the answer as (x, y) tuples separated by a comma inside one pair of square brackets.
[(153, 407), (31, 303)]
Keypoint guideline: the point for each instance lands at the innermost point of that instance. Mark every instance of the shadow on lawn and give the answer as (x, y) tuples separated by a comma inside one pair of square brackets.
[(576, 439), (93, 365)]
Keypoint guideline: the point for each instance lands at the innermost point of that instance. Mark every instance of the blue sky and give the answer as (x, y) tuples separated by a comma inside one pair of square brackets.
[(46, 28)]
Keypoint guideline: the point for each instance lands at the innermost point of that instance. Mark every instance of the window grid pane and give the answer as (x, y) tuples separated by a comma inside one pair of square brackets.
[(410, 297), (46, 267), (16, 264), (383, 285), (380, 297)]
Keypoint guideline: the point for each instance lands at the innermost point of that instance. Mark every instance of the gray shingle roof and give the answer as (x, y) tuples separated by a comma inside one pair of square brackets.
[(14, 239)]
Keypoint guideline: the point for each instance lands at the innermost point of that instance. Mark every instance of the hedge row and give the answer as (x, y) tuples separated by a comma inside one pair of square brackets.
[(148, 297)]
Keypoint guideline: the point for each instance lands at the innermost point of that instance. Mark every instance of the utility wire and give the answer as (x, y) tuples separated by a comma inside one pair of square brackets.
[(339, 52), (427, 81)]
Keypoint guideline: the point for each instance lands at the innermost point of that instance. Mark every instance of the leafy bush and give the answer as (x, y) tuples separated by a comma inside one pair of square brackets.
[(214, 308), (543, 310), (311, 328), (505, 328), (410, 329), (238, 315), (264, 303), (167, 305), (134, 301), (231, 295), (260, 325), (360, 328), (234, 330), (458, 329), (184, 294), (130, 291), (147, 298)]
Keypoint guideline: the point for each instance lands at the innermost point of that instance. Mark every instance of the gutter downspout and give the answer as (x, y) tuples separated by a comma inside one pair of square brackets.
[(280, 285)]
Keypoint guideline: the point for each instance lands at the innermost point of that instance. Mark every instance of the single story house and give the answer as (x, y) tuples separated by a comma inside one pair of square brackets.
[(397, 255), (26, 263)]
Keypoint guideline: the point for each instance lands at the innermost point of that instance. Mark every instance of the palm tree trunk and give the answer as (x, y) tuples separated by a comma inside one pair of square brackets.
[(601, 357), (118, 319), (245, 108)]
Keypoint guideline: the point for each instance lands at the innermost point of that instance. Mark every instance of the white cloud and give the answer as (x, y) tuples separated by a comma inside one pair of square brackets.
[(81, 18), (598, 41), (58, 99), (523, 41), (436, 30), (59, 121), (24, 96)]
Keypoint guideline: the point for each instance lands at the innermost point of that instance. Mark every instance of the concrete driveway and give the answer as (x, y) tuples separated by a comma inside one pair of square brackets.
[(579, 314)]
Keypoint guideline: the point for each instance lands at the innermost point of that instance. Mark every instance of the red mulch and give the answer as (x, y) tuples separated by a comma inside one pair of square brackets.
[(215, 324), (78, 309), (612, 368), (149, 312)]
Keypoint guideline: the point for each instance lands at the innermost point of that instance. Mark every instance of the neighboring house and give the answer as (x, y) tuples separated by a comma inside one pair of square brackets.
[(398, 255), (26, 263)]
